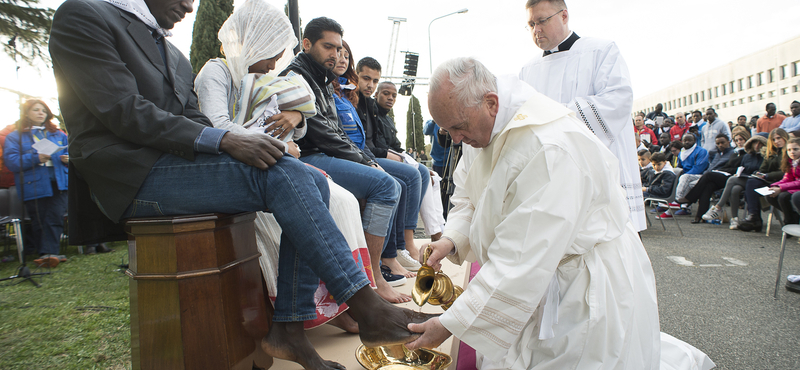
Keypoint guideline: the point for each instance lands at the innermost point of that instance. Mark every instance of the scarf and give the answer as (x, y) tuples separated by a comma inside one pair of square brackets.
[(141, 11), (685, 153)]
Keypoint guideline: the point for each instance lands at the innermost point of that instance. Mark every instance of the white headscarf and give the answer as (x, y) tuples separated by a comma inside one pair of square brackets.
[(141, 11), (254, 32)]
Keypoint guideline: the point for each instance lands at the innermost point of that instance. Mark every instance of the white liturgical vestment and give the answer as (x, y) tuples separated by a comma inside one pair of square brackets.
[(565, 282), (592, 80)]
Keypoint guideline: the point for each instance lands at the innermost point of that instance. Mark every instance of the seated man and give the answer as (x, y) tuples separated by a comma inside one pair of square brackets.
[(694, 161), (140, 147)]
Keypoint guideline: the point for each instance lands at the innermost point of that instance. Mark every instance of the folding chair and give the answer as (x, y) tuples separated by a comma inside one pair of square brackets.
[(667, 201), (13, 212), (793, 230)]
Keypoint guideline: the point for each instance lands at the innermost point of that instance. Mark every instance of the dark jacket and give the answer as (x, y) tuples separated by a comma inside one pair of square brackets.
[(386, 133), (717, 160), (751, 163), (368, 113), (659, 184), (123, 108), (772, 167), (734, 162), (324, 134)]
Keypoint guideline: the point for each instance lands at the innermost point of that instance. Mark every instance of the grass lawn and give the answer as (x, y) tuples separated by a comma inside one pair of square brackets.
[(78, 319)]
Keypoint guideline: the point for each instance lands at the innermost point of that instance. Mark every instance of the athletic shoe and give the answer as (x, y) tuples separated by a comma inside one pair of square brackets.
[(734, 223), (712, 213), (392, 279), (407, 261), (47, 260), (658, 210), (664, 215), (674, 205), (683, 212)]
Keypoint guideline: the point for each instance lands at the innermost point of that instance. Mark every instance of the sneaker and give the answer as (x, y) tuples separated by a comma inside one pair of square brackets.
[(683, 212), (713, 213), (658, 210), (47, 260), (407, 261), (674, 205), (392, 279), (734, 223), (664, 215)]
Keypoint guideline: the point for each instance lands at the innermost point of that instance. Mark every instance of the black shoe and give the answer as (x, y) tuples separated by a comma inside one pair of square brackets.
[(392, 279), (755, 225), (101, 248), (696, 221), (792, 287)]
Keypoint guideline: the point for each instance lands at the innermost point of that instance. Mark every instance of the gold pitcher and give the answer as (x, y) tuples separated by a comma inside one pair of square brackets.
[(434, 287)]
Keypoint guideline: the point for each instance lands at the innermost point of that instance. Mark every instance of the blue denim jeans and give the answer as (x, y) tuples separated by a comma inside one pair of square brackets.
[(411, 182), (47, 220), (311, 245), (378, 188)]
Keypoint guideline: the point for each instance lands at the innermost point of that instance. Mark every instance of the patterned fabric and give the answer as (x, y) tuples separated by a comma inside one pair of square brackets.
[(256, 102)]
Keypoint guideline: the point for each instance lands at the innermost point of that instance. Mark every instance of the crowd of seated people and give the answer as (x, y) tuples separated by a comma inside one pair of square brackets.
[(344, 132), (722, 164)]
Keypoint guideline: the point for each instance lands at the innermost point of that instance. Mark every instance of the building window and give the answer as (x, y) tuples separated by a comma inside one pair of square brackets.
[(794, 88), (795, 70), (784, 91), (716, 91), (690, 100), (703, 95), (760, 78), (741, 84), (750, 98), (733, 103), (783, 72), (716, 106), (750, 82), (771, 76), (684, 101), (724, 105), (741, 101), (772, 93), (732, 90)]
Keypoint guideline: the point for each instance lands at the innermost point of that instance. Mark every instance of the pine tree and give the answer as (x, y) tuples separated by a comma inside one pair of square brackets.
[(211, 14), (414, 134), (27, 29)]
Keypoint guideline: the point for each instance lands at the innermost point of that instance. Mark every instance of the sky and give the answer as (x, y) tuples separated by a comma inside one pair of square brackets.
[(663, 42)]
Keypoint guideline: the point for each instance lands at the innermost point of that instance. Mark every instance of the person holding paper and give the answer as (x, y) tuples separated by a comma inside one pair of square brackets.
[(785, 195), (44, 171), (768, 173)]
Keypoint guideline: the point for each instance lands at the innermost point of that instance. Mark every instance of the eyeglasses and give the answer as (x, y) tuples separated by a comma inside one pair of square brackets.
[(531, 25)]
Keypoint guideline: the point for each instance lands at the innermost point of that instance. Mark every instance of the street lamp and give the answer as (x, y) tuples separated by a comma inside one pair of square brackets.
[(430, 55)]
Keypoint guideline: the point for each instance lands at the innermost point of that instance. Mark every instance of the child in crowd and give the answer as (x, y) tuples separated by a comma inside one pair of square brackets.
[(644, 159), (783, 191), (659, 178)]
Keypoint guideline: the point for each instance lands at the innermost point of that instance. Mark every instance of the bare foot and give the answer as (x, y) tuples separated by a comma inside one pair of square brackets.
[(397, 268), (381, 323), (288, 341), (388, 293), (345, 322)]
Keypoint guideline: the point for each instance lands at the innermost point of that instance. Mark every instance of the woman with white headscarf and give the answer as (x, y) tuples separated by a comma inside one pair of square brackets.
[(258, 39)]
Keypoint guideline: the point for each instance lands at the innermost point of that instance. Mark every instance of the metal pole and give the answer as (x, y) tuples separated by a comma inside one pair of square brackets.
[(430, 53), (393, 43), (294, 17)]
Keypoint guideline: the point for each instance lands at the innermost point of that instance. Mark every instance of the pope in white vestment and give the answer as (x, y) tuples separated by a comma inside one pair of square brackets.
[(565, 282), (592, 80)]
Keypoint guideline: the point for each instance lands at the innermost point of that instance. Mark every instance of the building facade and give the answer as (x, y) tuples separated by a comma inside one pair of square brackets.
[(742, 87)]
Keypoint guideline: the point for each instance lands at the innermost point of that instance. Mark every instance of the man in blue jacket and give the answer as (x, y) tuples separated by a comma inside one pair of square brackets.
[(694, 161)]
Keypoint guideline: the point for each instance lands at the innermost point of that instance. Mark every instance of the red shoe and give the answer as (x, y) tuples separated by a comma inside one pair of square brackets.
[(664, 215), (674, 205), (47, 261)]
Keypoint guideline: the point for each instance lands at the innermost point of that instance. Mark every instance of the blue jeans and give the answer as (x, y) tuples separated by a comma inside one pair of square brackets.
[(413, 182), (47, 220), (378, 188), (311, 245)]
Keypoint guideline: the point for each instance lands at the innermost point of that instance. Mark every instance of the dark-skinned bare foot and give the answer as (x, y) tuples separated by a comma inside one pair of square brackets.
[(381, 323), (345, 322), (288, 341)]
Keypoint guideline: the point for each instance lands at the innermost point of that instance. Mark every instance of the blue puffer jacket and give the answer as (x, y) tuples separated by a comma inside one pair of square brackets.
[(696, 163), (37, 176)]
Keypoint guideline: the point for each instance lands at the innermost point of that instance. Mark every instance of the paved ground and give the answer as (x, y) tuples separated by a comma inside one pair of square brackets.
[(726, 309)]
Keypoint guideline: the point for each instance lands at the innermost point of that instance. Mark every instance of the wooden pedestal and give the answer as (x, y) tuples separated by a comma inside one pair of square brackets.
[(198, 300)]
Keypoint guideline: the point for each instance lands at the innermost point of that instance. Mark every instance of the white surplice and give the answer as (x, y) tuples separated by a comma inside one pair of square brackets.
[(592, 80), (542, 211)]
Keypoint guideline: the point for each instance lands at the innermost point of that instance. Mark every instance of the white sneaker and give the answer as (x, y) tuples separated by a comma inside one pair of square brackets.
[(407, 261), (713, 213), (734, 223)]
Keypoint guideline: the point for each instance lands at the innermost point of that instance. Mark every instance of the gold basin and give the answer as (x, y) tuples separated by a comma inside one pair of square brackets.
[(398, 357)]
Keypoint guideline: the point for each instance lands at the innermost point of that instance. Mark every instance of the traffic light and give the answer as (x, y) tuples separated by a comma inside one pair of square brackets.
[(409, 70), (411, 64)]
